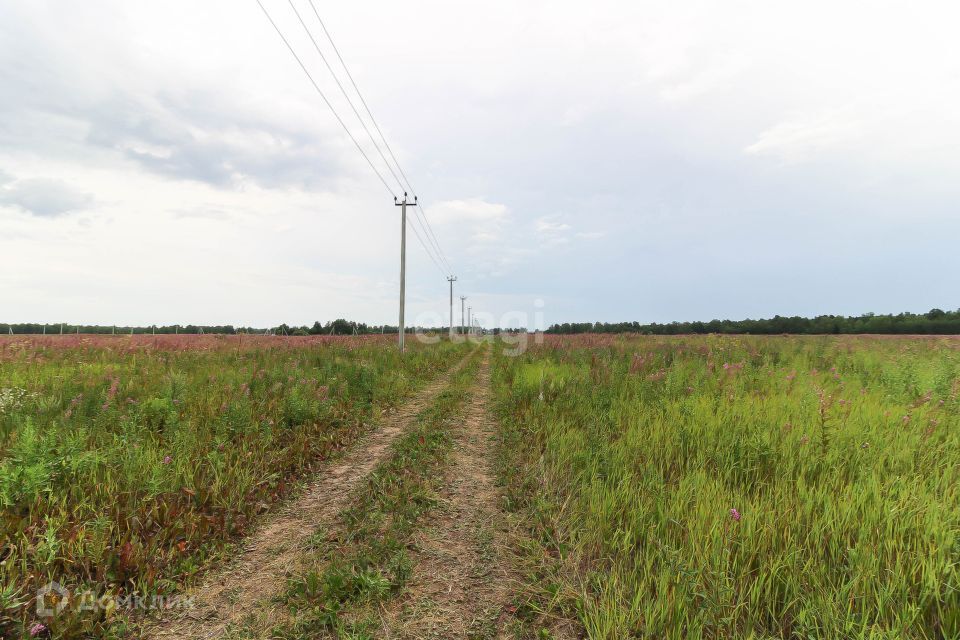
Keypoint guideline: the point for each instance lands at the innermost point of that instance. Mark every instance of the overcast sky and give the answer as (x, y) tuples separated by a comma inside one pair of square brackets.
[(169, 162)]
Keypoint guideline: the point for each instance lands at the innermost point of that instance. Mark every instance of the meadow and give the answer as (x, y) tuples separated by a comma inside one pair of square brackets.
[(658, 486), (128, 463), (736, 487)]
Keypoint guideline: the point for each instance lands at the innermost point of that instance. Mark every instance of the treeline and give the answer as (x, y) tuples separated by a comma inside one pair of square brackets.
[(338, 327), (65, 328), (935, 321)]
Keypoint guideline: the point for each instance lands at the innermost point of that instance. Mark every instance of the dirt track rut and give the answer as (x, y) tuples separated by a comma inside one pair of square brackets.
[(261, 569), (462, 581)]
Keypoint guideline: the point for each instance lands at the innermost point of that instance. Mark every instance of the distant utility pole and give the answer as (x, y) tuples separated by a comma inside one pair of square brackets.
[(463, 325), (451, 280), (469, 321), (403, 256)]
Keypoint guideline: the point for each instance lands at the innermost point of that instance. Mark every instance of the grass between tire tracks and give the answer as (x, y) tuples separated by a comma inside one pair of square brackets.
[(367, 562)]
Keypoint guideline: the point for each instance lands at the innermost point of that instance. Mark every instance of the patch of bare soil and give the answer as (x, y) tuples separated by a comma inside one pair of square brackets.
[(462, 579), (261, 570)]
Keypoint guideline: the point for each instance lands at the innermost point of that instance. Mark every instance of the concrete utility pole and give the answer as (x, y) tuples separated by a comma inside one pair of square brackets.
[(463, 325), (403, 256), (469, 321), (451, 280)]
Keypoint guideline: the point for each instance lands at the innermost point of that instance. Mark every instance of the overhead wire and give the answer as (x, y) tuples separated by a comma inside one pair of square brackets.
[(319, 91), (434, 245), (427, 246), (425, 223), (363, 124)]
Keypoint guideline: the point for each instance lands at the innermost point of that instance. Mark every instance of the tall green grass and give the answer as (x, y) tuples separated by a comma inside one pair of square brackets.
[(123, 469), (726, 487)]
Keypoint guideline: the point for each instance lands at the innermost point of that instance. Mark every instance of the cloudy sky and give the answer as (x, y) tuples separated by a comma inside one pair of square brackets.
[(654, 161)]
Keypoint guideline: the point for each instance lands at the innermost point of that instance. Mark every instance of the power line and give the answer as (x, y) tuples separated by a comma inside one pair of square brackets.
[(319, 91), (344, 91), (429, 254), (423, 214), (426, 230), (360, 95), (425, 223), (425, 245)]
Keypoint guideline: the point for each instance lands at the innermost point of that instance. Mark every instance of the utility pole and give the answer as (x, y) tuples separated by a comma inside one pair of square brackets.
[(403, 256), (463, 326), (469, 321), (451, 280)]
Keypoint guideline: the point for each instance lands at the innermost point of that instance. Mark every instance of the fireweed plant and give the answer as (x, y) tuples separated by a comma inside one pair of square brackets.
[(736, 487), (126, 463)]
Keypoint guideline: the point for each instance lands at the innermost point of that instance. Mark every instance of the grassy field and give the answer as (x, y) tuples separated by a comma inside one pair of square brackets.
[(659, 487), (127, 463), (737, 487)]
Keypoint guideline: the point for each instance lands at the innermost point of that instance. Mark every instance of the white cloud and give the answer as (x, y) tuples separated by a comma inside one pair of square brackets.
[(45, 197), (468, 210), (590, 235), (478, 224), (804, 136), (546, 226)]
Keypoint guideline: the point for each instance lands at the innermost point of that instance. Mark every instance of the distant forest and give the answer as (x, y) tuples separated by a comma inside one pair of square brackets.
[(339, 327), (935, 321)]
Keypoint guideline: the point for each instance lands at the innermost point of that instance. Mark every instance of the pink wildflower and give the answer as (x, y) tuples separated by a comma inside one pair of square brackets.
[(735, 515), (167, 459), (37, 629)]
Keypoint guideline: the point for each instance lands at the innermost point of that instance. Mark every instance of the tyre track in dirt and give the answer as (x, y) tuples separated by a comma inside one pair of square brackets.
[(261, 569), (463, 579)]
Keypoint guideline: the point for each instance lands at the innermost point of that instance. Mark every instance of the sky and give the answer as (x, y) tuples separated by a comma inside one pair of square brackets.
[(166, 163)]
